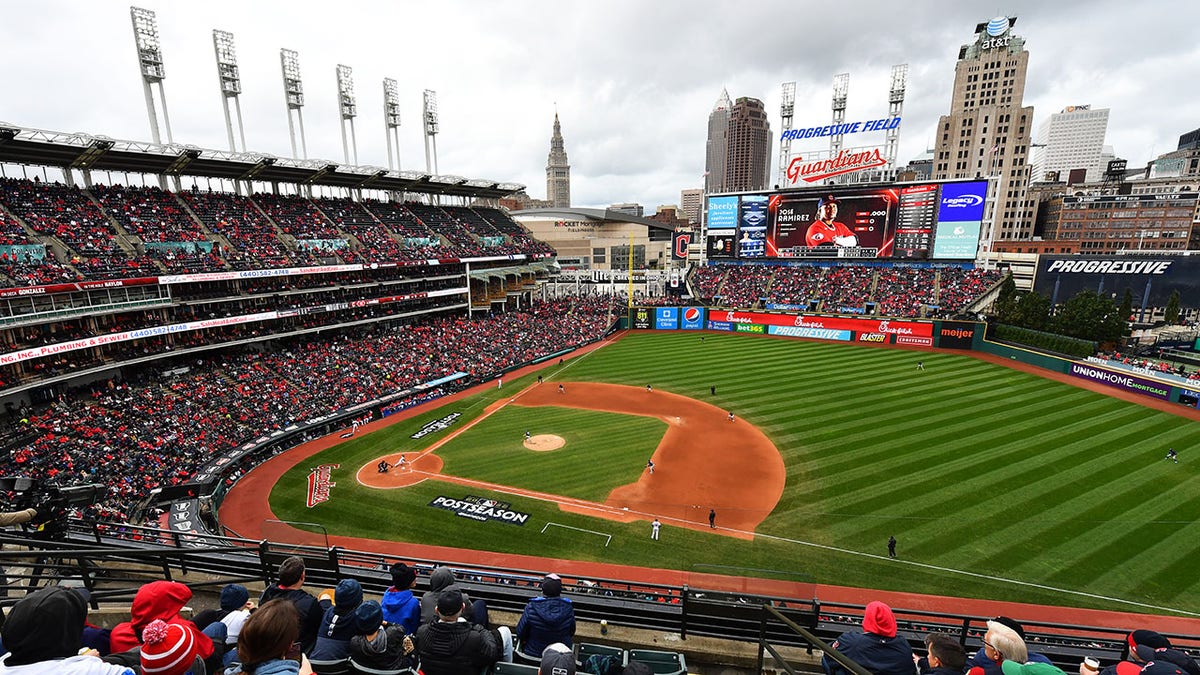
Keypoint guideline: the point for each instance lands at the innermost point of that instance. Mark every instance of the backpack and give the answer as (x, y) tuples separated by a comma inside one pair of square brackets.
[(602, 664)]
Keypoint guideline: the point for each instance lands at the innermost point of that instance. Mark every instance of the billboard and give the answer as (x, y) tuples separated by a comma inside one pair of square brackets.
[(957, 334), (722, 226), (680, 240), (939, 220), (666, 318), (898, 328), (691, 318), (1124, 381), (1155, 277)]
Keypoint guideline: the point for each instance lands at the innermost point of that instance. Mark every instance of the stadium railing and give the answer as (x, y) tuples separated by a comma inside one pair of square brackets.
[(113, 564)]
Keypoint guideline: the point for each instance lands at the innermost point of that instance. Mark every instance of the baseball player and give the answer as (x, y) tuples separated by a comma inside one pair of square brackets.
[(527, 434), (730, 415), (402, 463), (654, 527), (650, 466), (649, 389), (382, 466), (825, 230), (561, 389), (920, 365), (1172, 455)]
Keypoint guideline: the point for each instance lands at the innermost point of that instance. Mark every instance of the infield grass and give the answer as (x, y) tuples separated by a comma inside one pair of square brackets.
[(975, 468)]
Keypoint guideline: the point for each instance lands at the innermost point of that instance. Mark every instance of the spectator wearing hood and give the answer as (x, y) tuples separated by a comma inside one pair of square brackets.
[(378, 645), (291, 588), (453, 646), (337, 626), (42, 636), (442, 579), (988, 665), (164, 600), (547, 619), (399, 605), (877, 648)]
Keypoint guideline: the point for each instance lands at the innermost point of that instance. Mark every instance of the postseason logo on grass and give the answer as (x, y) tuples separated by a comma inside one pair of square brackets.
[(436, 425), (483, 510)]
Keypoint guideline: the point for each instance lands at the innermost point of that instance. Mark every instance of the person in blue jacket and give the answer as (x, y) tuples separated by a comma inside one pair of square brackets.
[(400, 607), (547, 619)]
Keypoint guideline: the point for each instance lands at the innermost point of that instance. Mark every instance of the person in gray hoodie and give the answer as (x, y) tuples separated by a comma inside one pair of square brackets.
[(442, 579), (379, 646)]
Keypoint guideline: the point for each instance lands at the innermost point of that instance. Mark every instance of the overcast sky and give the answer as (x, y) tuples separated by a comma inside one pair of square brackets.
[(633, 80)]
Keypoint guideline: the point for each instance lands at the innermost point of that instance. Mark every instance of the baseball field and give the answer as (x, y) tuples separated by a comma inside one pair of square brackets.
[(996, 483)]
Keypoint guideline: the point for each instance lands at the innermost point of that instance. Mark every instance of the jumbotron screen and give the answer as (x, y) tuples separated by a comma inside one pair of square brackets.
[(939, 220)]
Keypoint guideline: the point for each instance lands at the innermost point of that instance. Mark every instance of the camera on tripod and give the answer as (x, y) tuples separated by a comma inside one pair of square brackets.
[(51, 501)]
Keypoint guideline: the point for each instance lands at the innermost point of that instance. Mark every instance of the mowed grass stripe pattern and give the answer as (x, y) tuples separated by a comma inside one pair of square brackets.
[(972, 467)]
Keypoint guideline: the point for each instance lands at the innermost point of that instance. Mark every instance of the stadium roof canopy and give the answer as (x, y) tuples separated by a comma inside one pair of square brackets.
[(85, 152), (600, 216)]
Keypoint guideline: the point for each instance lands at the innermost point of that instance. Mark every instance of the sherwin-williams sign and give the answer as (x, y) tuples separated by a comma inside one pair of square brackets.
[(1121, 381)]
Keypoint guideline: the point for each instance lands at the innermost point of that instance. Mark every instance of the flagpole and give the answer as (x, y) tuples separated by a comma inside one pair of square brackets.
[(630, 291)]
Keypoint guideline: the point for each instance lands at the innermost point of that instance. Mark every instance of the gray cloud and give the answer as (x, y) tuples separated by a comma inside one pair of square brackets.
[(633, 81)]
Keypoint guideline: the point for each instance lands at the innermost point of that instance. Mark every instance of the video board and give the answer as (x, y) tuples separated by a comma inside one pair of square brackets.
[(935, 220)]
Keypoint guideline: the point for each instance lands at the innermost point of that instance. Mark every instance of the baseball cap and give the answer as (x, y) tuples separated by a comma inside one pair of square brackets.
[(1011, 623), (347, 595), (557, 659), (827, 199), (450, 602), (1144, 642), (551, 585), (1032, 668), (368, 617), (1162, 667), (233, 597)]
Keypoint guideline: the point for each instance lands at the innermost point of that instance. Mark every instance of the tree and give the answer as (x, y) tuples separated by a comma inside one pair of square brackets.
[(1007, 300), (1033, 311), (1127, 305), (1172, 311), (1090, 316)]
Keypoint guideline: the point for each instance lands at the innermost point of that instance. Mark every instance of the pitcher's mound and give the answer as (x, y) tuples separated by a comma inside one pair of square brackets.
[(544, 442)]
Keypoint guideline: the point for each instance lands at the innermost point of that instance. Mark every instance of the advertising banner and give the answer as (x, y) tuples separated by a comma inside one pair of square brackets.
[(1121, 381), (874, 338), (752, 227), (666, 318), (720, 325), (886, 326), (1160, 274), (722, 226), (755, 328), (808, 332), (914, 341), (692, 318), (957, 334), (641, 318), (680, 240)]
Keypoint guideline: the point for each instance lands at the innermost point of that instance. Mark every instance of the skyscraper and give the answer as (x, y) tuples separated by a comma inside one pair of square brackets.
[(689, 203), (1071, 139), (748, 153), (987, 131), (558, 170), (714, 158)]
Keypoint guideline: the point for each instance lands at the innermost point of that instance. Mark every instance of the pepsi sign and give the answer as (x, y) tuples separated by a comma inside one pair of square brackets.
[(692, 318)]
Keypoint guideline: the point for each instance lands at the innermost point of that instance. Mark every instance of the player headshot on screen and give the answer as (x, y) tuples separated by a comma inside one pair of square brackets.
[(826, 231)]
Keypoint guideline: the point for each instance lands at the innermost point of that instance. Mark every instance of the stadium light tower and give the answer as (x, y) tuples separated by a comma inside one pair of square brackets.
[(150, 63), (230, 81), (293, 95), (431, 129), (787, 110), (895, 109), (841, 88), (391, 120), (348, 109)]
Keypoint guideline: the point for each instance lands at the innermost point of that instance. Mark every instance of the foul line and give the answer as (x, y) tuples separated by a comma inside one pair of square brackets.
[(579, 529)]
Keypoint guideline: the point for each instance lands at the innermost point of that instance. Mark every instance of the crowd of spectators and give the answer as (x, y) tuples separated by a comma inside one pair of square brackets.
[(151, 432), (1152, 365), (896, 291), (150, 230)]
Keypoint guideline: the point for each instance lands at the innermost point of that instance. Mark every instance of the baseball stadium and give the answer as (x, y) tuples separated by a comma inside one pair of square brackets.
[(725, 459)]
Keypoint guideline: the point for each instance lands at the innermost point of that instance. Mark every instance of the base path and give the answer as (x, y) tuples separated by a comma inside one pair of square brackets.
[(703, 461)]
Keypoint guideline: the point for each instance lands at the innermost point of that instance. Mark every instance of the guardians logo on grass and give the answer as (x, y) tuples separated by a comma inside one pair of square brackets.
[(437, 425), (319, 483), (483, 510)]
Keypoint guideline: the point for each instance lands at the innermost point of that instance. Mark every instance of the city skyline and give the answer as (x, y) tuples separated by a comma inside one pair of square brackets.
[(634, 105)]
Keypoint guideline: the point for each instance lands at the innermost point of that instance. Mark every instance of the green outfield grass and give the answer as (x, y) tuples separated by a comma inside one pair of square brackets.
[(985, 475)]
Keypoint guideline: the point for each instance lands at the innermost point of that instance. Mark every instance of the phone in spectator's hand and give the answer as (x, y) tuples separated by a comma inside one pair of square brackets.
[(294, 653)]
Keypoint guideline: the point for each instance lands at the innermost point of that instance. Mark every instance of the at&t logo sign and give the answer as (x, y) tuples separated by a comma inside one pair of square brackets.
[(997, 33)]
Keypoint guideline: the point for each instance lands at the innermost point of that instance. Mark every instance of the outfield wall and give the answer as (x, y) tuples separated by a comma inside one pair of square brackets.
[(964, 335)]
